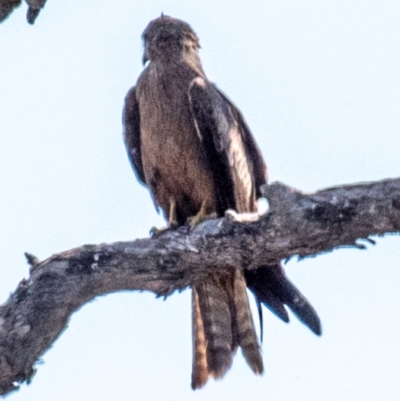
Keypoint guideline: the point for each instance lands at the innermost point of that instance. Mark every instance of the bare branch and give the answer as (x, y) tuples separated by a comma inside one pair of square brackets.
[(296, 225), (34, 7), (7, 7)]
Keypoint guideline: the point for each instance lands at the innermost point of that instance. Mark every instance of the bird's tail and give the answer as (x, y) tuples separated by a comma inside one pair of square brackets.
[(222, 322)]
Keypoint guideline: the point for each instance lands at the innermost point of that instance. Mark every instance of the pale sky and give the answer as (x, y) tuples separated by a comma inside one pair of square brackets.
[(319, 85)]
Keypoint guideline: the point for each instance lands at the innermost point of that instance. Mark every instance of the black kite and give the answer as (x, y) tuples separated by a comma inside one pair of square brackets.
[(192, 148)]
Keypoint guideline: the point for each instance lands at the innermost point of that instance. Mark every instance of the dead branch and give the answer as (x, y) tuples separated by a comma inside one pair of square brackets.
[(296, 225), (34, 7)]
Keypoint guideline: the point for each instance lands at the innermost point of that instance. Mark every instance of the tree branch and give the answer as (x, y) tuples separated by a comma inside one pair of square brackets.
[(296, 224), (34, 7)]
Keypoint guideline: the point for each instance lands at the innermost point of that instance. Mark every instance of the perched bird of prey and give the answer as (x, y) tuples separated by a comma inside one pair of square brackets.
[(190, 145)]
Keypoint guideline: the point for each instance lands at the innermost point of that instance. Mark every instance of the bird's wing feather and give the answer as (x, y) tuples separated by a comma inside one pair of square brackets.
[(229, 146), (272, 287), (259, 168), (131, 134)]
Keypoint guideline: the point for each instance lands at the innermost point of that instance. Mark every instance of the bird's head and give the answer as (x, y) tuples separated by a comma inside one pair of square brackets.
[(167, 37)]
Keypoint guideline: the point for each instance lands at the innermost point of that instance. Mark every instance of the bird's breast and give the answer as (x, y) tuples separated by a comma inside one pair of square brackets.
[(173, 157)]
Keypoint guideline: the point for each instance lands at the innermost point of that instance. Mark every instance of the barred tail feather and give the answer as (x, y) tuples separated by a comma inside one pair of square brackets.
[(222, 321), (200, 367), (248, 340)]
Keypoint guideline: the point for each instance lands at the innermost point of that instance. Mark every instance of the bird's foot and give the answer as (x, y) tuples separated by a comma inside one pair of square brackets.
[(172, 221), (155, 231), (199, 218)]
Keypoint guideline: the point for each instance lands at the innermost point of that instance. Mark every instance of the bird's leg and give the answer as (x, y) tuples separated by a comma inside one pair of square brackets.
[(202, 215), (172, 221), (172, 217)]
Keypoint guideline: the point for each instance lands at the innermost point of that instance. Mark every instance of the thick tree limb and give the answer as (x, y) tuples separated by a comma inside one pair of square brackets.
[(297, 224)]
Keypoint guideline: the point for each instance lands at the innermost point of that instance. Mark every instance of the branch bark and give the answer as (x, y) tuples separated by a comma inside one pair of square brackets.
[(34, 7), (296, 225)]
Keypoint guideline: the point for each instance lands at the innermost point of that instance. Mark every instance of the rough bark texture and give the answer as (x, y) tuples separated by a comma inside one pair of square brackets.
[(34, 7), (296, 224)]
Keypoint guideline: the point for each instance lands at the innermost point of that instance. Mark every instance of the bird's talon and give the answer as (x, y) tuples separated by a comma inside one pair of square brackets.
[(199, 218), (155, 232)]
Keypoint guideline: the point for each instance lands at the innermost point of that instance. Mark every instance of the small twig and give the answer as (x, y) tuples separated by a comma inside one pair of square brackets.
[(32, 260)]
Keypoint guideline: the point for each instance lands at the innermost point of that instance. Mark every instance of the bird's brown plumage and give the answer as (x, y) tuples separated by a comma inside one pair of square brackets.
[(191, 146)]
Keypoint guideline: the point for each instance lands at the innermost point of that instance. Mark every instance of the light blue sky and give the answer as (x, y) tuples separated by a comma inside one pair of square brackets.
[(319, 85)]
